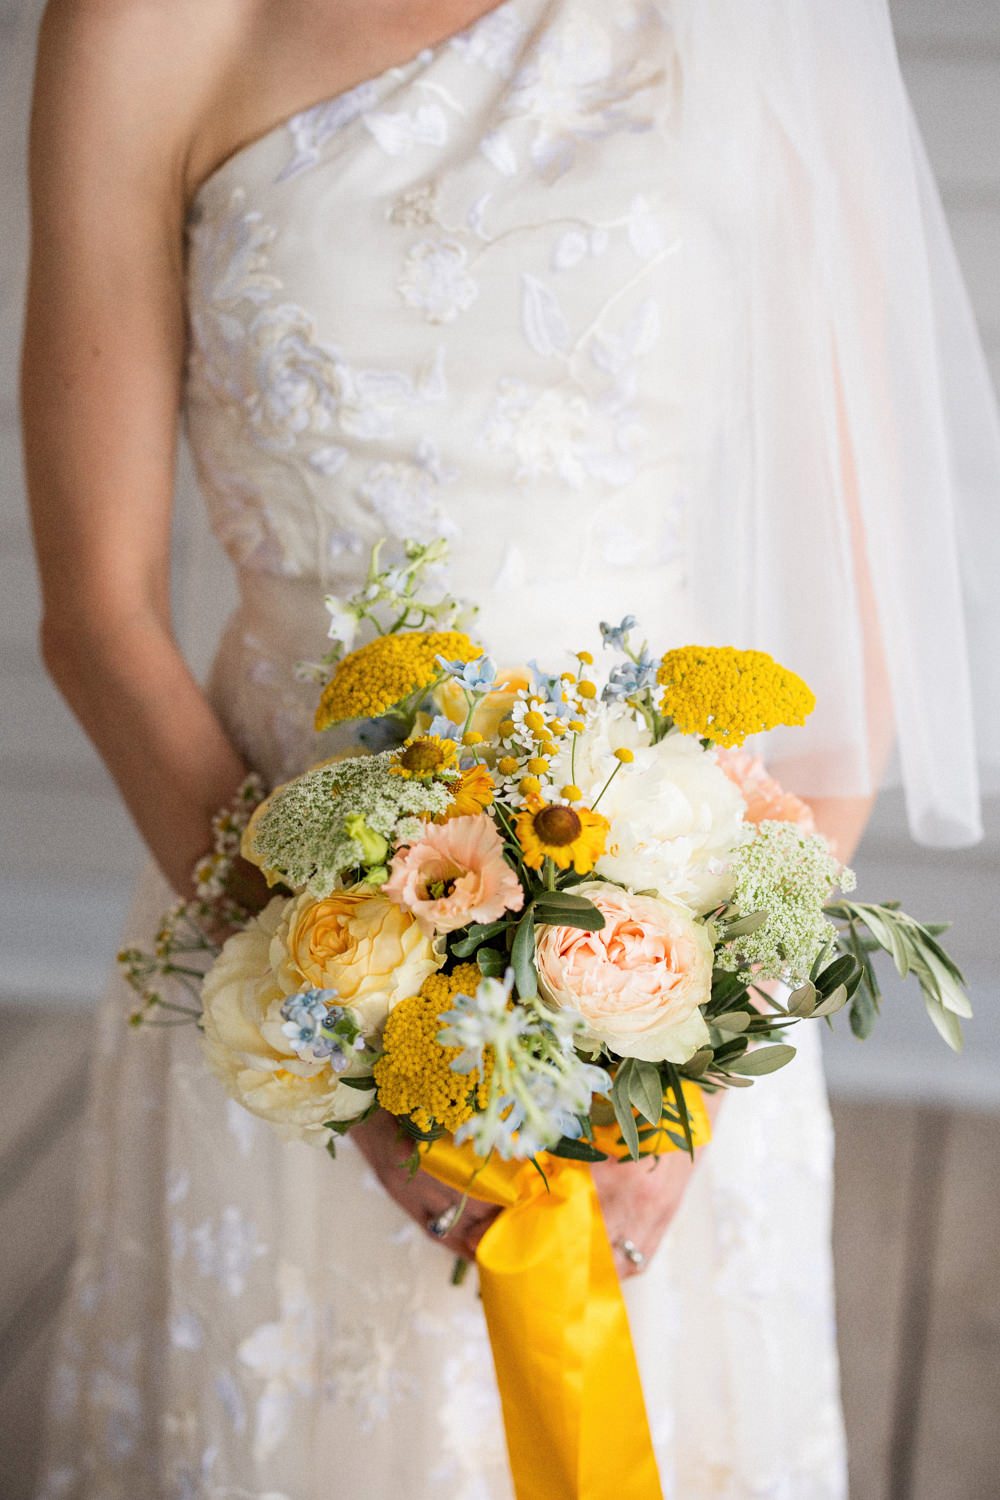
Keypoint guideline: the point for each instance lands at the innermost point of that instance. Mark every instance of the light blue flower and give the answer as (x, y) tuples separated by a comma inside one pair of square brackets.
[(616, 636), (630, 678), (320, 1030), (485, 1019), (475, 676), (550, 687), (541, 1087), (444, 729)]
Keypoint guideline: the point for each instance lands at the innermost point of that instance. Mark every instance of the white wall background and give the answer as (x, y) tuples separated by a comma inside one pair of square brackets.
[(68, 855)]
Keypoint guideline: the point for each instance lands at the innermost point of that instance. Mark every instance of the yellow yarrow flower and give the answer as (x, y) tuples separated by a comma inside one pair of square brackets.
[(372, 680), (567, 835), (414, 1075), (723, 694), (471, 793)]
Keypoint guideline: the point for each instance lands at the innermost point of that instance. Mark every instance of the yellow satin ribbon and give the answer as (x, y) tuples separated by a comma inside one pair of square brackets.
[(569, 1385)]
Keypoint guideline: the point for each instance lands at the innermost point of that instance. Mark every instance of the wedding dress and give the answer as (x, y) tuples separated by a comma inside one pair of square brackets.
[(439, 304)]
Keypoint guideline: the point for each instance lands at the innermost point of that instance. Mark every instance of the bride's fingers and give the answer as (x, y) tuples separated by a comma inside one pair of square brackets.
[(473, 1232)]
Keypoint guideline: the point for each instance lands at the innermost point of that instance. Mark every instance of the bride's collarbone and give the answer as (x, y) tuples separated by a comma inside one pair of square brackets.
[(279, 57)]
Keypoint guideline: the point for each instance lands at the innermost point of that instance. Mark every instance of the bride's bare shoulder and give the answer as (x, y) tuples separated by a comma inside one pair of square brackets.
[(131, 81)]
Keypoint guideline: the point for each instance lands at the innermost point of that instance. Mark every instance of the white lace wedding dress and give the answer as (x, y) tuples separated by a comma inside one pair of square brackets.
[(437, 305)]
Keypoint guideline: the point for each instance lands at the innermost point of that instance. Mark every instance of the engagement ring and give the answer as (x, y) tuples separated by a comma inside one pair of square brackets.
[(632, 1253), (440, 1226)]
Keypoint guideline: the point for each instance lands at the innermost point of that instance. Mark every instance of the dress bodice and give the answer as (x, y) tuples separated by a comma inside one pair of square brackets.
[(440, 304)]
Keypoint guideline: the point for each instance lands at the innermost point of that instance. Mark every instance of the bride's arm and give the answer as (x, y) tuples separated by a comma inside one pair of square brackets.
[(102, 370), (101, 376)]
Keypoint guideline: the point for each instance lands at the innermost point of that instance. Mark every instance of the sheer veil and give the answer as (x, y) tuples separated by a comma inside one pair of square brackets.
[(860, 460), (860, 451)]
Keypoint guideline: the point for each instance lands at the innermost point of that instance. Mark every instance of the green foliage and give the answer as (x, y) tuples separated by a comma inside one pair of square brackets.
[(914, 949)]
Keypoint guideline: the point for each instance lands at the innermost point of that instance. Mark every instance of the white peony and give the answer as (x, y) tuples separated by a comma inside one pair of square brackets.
[(247, 1050), (676, 818)]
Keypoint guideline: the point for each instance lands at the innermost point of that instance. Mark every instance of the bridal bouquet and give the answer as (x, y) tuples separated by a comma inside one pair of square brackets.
[(534, 913), (539, 909)]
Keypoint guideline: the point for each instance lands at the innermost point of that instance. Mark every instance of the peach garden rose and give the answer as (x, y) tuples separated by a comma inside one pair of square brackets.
[(638, 982)]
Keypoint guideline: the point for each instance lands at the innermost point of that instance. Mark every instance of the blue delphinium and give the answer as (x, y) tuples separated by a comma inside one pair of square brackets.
[(319, 1029)]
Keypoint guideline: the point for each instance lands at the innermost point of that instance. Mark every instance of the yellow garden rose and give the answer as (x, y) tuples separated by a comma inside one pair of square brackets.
[(363, 946), (246, 1048), (449, 699)]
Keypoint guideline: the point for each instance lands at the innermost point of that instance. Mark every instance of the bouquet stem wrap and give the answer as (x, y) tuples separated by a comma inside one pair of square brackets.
[(569, 1384)]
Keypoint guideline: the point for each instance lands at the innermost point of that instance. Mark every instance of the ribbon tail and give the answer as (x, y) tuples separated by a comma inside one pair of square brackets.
[(569, 1385), (617, 1456)]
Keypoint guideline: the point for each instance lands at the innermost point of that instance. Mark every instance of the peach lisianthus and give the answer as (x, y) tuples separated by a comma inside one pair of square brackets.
[(638, 982), (455, 873), (766, 799)]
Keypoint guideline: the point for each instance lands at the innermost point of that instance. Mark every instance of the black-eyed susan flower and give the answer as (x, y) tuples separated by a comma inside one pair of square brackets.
[(568, 836), (724, 695), (471, 793), (425, 757), (414, 1075), (382, 674)]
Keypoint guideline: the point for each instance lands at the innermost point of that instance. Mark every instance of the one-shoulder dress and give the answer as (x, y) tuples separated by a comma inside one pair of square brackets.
[(442, 304)]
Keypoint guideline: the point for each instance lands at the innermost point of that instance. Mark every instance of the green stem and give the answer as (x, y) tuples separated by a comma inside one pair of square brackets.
[(614, 773)]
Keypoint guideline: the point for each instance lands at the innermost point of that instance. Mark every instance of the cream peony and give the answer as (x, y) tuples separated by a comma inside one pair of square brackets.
[(638, 982), (364, 946), (676, 818), (245, 1047)]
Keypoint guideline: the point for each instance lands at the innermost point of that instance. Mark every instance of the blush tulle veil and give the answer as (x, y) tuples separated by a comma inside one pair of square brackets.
[(855, 504)]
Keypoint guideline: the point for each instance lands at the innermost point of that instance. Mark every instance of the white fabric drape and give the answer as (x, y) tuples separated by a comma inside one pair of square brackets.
[(798, 140)]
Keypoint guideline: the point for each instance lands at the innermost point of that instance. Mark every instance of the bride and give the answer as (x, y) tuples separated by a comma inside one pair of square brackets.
[(619, 284)]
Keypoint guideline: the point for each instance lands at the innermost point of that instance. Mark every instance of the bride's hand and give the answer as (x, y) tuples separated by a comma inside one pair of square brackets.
[(420, 1196), (640, 1198)]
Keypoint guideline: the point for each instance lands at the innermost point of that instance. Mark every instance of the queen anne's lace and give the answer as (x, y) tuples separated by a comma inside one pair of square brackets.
[(307, 833)]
